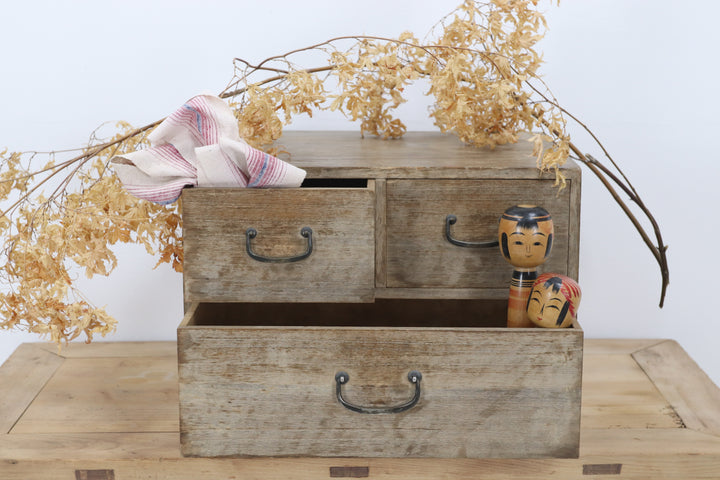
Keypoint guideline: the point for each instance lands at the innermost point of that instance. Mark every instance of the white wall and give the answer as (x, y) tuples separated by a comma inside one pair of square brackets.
[(641, 74)]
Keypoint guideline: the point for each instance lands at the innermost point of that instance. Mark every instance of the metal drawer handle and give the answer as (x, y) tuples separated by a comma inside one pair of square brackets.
[(342, 378), (450, 220), (251, 233)]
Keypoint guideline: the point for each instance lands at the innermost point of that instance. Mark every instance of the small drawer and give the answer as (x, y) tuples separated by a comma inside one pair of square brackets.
[(255, 383), (274, 245), (420, 255)]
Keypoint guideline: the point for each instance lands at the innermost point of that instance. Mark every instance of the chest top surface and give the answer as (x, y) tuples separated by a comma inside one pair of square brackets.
[(346, 154)]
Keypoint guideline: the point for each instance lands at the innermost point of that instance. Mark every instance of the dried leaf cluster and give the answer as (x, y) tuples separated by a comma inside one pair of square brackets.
[(480, 67), (477, 65), (48, 238)]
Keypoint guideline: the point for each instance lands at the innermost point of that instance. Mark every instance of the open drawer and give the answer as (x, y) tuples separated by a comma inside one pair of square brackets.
[(394, 378)]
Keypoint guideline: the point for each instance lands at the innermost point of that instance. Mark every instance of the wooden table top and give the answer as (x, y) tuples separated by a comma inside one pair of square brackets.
[(110, 411)]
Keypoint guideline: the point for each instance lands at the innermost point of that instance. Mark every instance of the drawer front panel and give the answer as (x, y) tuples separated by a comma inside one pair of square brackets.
[(485, 393), (218, 267), (418, 253)]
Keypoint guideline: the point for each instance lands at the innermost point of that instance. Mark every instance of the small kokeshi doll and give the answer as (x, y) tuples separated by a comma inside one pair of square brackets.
[(553, 301), (525, 237)]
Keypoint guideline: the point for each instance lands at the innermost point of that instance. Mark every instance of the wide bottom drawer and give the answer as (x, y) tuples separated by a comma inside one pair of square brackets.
[(252, 384)]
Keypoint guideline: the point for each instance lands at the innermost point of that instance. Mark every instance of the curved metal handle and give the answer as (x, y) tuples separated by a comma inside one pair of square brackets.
[(251, 233), (450, 220), (342, 378)]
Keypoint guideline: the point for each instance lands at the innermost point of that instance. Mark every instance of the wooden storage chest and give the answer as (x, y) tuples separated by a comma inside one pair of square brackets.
[(383, 338)]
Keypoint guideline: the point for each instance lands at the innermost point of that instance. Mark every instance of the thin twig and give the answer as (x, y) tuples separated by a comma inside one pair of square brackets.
[(240, 91), (255, 68), (601, 171), (80, 158), (582, 125), (659, 251)]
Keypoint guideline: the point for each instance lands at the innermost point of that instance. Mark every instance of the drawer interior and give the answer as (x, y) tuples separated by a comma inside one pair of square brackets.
[(427, 313), (335, 183)]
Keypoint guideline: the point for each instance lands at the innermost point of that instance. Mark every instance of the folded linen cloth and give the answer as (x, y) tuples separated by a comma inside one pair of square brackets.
[(199, 145)]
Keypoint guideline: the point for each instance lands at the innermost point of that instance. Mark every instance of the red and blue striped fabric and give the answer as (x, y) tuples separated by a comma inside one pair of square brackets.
[(199, 145)]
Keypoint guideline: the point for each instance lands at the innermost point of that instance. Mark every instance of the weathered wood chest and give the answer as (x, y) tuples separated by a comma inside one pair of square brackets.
[(340, 319)]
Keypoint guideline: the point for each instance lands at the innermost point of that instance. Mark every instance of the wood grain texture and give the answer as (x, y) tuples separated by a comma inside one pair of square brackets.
[(381, 240), (687, 388), (104, 349), (663, 441), (22, 376), (250, 391), (668, 452), (122, 397), (618, 394), (419, 255), (380, 233), (89, 446), (340, 268), (412, 184), (618, 346), (415, 155), (634, 467), (574, 187), (439, 293)]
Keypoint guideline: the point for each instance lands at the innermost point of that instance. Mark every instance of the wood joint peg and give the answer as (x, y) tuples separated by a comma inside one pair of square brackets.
[(94, 475), (349, 472), (602, 469)]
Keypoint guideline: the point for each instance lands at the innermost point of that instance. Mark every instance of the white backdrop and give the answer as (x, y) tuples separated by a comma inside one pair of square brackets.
[(641, 74)]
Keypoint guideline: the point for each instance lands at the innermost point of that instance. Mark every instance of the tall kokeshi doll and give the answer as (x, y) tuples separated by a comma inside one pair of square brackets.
[(525, 236)]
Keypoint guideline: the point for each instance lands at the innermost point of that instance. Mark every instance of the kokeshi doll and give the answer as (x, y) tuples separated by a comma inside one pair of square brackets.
[(554, 300), (525, 236)]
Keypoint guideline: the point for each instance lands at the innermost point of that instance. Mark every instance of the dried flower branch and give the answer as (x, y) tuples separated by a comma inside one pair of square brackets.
[(481, 68)]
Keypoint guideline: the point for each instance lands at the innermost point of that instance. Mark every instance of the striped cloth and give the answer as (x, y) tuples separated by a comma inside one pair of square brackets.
[(199, 145)]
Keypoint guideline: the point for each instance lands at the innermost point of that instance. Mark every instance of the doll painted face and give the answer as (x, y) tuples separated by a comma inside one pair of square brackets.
[(553, 301), (526, 235)]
